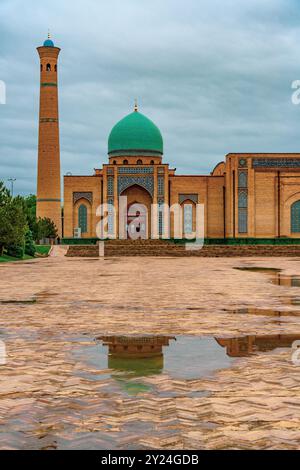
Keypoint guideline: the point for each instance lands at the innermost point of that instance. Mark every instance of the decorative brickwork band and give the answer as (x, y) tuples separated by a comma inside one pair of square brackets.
[(276, 163), (83, 195), (48, 120), (49, 84), (48, 200), (135, 170)]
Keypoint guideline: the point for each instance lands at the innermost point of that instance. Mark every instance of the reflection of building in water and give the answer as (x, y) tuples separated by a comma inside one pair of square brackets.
[(246, 345), (283, 280), (135, 346), (275, 274), (141, 355), (266, 312)]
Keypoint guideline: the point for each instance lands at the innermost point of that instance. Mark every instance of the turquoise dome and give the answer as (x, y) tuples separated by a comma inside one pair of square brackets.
[(48, 43), (135, 134)]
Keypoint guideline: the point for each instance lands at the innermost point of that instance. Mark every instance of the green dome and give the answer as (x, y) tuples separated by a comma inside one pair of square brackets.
[(135, 134)]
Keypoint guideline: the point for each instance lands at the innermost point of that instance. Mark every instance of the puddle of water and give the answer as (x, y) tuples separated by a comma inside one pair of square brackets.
[(258, 269), (130, 359), (18, 302)]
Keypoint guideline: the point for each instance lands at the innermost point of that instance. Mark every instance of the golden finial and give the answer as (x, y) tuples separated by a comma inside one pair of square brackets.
[(135, 105), (49, 35)]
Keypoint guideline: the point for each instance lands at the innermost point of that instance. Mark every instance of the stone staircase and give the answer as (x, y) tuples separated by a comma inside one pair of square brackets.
[(116, 248), (83, 251)]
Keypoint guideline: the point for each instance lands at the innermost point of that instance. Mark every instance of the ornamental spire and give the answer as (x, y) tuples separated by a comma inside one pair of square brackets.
[(135, 106)]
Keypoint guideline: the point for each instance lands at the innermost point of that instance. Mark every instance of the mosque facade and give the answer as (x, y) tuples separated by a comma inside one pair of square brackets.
[(254, 195)]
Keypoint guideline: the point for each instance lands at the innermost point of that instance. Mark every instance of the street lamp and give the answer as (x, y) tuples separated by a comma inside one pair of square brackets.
[(12, 180)]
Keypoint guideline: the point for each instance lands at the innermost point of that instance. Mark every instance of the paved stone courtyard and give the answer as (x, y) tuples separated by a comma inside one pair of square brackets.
[(53, 396)]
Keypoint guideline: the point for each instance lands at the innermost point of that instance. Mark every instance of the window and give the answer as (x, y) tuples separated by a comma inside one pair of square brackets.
[(295, 217), (110, 186), (48, 68), (152, 162), (125, 162), (243, 200), (41, 67), (242, 221), (114, 162), (139, 162), (188, 218), (161, 185), (243, 211), (160, 217), (55, 68), (82, 218), (243, 179)]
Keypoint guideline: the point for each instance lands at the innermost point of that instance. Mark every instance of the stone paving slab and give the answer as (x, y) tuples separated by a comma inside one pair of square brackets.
[(50, 398)]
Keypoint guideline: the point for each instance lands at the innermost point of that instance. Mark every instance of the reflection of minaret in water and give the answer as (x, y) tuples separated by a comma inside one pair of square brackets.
[(141, 355)]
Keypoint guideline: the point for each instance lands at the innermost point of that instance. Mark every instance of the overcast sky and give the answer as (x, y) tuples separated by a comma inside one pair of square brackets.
[(215, 76)]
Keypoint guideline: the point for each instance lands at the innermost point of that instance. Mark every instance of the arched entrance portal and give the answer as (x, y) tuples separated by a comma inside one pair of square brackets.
[(138, 217)]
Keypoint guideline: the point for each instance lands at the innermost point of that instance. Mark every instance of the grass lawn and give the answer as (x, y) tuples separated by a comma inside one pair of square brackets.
[(43, 249), (6, 259)]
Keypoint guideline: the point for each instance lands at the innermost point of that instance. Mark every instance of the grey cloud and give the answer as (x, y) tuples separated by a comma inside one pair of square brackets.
[(215, 77)]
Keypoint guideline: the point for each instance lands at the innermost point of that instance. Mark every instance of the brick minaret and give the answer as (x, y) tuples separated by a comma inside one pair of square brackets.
[(48, 180)]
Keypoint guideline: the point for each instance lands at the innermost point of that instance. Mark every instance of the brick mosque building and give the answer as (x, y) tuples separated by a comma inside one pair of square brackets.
[(247, 195)]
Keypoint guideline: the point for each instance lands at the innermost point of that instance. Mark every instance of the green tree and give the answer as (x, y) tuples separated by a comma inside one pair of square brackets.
[(13, 223), (29, 208), (4, 194), (46, 229), (29, 243)]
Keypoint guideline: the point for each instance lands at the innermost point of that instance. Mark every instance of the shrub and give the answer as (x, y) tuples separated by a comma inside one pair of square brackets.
[(16, 251)]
